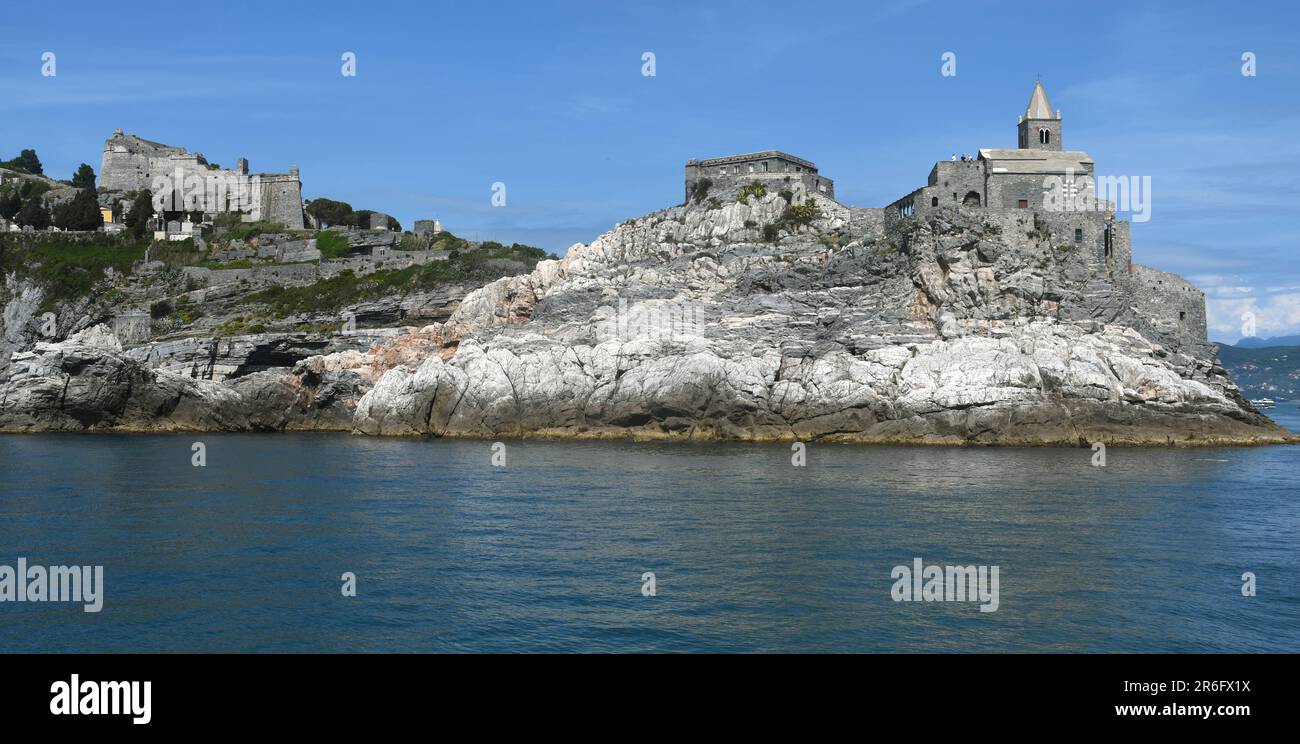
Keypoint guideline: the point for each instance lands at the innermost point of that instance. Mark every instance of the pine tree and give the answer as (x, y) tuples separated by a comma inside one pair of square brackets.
[(84, 178), (82, 213), (27, 162), (10, 203), (33, 214), (137, 220)]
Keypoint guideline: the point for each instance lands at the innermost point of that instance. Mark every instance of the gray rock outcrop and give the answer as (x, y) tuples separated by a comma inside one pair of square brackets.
[(736, 322), (687, 324)]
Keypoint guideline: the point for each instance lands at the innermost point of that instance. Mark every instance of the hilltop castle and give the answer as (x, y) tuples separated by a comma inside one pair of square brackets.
[(1007, 187), (133, 163)]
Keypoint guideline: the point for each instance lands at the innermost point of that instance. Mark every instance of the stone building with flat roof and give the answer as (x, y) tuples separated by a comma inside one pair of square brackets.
[(776, 170)]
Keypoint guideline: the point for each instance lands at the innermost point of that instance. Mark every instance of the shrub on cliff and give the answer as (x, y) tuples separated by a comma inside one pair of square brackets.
[(793, 216), (445, 241), (753, 188), (66, 268), (332, 245), (475, 268), (250, 230), (160, 309), (700, 189), (801, 214)]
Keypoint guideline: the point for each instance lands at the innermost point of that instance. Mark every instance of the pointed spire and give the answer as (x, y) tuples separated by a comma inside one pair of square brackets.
[(1039, 107)]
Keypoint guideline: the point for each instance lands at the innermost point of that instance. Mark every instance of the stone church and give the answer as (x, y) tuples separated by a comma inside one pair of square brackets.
[(1005, 187)]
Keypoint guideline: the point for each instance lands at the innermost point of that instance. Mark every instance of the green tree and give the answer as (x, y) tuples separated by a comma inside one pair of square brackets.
[(329, 212), (27, 162), (33, 214), (137, 220), (84, 178), (31, 188), (10, 203), (82, 213)]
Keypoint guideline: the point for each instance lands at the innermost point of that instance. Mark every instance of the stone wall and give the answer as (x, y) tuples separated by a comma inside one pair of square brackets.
[(278, 247), (867, 222), (728, 188), (1174, 307), (280, 199), (131, 163), (728, 174), (954, 182), (309, 273)]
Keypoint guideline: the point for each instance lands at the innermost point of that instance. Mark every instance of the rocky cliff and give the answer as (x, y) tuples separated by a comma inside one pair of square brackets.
[(749, 321)]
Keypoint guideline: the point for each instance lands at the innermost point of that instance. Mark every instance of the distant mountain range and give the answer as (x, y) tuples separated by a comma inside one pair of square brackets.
[(1265, 372), (1255, 342)]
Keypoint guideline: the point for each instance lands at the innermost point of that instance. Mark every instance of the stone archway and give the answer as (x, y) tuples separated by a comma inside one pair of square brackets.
[(972, 199)]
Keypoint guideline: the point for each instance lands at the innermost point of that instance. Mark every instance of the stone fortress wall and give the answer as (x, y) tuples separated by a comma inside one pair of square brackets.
[(294, 260), (1175, 305), (131, 163)]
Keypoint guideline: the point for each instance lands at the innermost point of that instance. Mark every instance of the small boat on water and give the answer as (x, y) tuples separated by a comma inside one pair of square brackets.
[(1263, 403)]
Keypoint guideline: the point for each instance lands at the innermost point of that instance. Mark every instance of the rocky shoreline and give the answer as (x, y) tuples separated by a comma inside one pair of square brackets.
[(696, 324)]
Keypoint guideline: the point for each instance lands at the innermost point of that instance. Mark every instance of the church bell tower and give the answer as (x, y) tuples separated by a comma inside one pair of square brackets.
[(1040, 126)]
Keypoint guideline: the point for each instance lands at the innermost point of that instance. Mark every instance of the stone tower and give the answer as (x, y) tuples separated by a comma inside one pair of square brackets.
[(1040, 126)]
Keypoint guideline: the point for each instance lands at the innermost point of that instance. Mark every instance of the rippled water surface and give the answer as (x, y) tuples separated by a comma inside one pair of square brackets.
[(547, 553)]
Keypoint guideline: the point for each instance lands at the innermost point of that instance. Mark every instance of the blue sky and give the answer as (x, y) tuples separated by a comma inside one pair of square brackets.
[(549, 99)]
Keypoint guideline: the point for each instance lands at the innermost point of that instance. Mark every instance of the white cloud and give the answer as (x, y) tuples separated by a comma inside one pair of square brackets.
[(1274, 315)]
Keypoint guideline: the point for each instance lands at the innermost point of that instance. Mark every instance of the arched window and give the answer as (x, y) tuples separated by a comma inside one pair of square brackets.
[(972, 199), (1044, 136), (934, 201)]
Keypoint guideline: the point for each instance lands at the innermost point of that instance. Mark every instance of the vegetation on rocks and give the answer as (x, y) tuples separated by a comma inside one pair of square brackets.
[(753, 188), (331, 213), (67, 269), (700, 189), (489, 261), (26, 162), (332, 244)]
